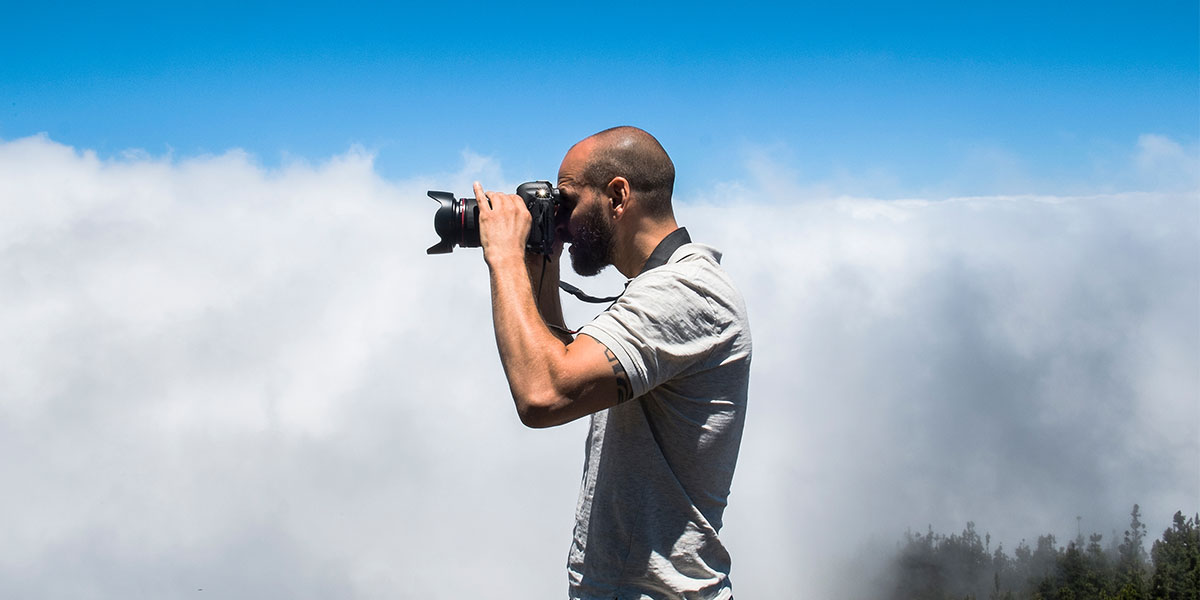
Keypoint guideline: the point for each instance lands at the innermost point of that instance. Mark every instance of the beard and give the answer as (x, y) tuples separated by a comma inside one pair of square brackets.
[(592, 244)]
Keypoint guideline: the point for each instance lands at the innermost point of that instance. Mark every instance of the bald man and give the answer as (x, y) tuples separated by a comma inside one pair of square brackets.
[(662, 373)]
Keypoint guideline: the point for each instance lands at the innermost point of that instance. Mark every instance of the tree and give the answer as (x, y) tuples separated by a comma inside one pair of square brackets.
[(1177, 561), (1132, 550), (1098, 567), (1132, 562), (918, 573), (958, 567), (1075, 579)]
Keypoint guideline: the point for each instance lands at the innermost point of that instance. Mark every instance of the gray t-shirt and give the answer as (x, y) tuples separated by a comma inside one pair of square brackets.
[(658, 467)]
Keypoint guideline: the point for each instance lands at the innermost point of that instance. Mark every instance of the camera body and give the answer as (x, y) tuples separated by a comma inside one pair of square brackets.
[(457, 219), (543, 202)]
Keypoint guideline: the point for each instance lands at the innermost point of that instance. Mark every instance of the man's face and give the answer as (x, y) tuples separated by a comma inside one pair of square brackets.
[(591, 235), (590, 230)]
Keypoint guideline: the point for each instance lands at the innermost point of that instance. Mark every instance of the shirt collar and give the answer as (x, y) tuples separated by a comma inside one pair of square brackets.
[(662, 253)]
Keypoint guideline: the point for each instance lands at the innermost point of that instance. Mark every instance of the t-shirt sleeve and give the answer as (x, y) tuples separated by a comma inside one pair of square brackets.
[(664, 324)]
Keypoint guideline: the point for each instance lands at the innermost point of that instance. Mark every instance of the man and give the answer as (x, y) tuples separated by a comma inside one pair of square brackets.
[(663, 372)]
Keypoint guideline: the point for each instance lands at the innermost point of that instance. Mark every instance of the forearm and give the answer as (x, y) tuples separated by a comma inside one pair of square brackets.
[(529, 351), (543, 278)]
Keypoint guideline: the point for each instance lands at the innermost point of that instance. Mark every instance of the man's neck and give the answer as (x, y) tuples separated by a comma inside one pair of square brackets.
[(643, 243)]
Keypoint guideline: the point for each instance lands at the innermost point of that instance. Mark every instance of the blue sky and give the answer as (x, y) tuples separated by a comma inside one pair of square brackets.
[(914, 95)]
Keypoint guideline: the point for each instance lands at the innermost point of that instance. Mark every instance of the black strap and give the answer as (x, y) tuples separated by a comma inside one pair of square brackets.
[(663, 251), (578, 293)]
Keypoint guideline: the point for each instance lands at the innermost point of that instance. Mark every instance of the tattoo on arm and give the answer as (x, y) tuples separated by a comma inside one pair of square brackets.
[(624, 391)]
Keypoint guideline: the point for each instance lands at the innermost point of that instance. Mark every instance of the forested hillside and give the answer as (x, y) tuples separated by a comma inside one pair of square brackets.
[(932, 566)]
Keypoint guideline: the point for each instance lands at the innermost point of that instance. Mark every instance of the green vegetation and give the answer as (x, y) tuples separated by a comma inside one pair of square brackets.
[(962, 567)]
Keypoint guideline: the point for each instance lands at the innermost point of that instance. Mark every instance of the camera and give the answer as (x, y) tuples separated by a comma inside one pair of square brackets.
[(457, 219)]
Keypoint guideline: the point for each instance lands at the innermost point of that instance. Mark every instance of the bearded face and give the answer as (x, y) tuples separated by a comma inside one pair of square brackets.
[(592, 242)]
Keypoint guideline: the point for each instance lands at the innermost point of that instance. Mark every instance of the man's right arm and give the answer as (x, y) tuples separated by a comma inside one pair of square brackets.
[(552, 382)]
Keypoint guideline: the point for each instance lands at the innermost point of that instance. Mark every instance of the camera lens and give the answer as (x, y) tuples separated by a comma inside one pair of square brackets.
[(457, 219), (456, 222)]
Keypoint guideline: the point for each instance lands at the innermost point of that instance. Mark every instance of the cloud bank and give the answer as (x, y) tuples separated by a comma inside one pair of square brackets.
[(254, 382)]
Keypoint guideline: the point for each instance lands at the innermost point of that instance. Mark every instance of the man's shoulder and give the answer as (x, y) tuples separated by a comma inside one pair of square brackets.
[(693, 269), (690, 260), (693, 252)]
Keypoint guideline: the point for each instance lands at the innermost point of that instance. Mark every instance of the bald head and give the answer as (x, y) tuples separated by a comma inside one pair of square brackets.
[(632, 153)]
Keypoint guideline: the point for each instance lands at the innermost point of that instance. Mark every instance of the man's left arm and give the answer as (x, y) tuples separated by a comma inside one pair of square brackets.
[(551, 382)]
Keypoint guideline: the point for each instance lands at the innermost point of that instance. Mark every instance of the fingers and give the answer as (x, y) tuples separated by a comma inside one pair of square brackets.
[(504, 222), (489, 201), (495, 201), (481, 198)]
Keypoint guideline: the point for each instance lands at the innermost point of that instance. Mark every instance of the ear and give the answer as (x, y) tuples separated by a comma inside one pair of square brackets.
[(618, 193)]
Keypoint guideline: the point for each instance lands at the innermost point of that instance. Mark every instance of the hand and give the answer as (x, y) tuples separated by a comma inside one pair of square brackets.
[(504, 223)]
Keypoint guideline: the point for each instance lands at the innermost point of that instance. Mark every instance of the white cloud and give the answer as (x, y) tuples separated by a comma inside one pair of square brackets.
[(1166, 164), (254, 381)]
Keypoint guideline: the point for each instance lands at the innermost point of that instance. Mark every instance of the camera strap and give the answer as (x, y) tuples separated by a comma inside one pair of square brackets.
[(582, 295)]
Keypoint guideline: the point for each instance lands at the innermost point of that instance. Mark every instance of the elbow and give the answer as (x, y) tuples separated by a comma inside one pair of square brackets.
[(536, 419), (538, 412)]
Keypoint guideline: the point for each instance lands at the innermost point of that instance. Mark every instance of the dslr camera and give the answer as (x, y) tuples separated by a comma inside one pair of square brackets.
[(457, 219)]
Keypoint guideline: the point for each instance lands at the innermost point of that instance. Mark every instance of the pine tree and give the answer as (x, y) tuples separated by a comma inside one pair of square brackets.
[(957, 567), (1177, 561), (1132, 565), (1099, 572)]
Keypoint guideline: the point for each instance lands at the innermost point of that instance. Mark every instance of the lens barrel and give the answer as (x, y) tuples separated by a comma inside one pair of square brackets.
[(456, 222)]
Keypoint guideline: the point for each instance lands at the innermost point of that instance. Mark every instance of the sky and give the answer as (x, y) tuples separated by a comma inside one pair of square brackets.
[(968, 237)]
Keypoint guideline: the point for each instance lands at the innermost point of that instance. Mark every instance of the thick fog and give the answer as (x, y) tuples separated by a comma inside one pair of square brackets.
[(252, 381)]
